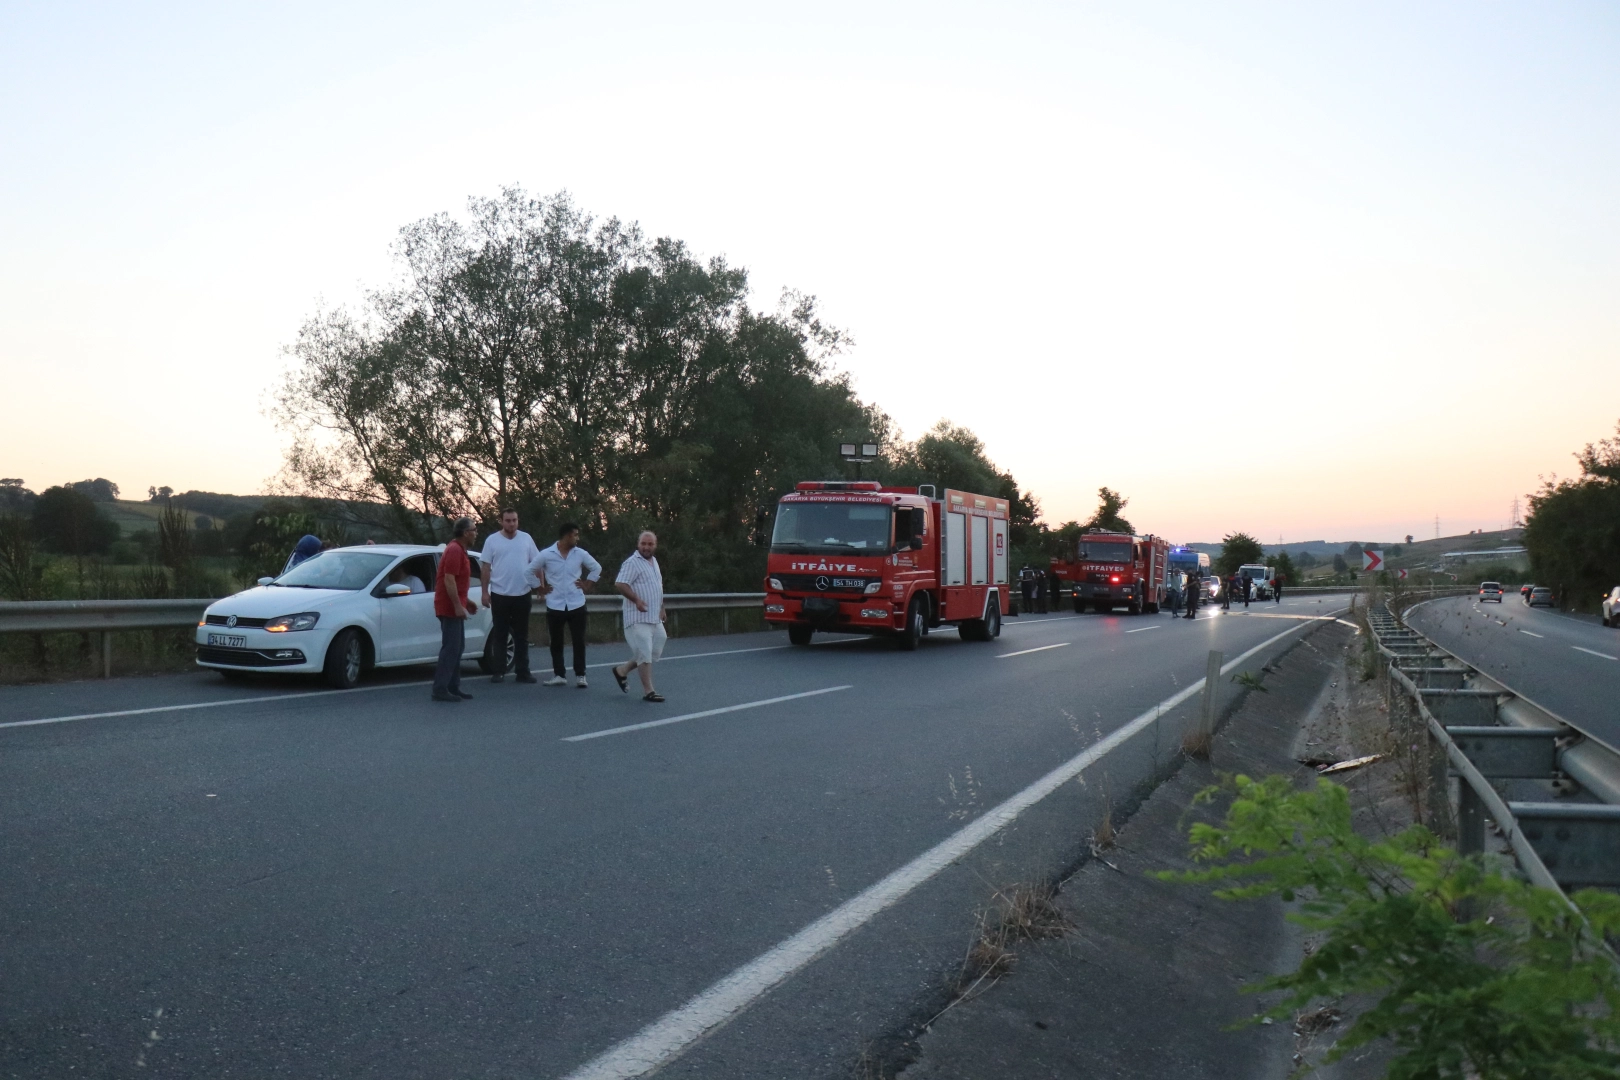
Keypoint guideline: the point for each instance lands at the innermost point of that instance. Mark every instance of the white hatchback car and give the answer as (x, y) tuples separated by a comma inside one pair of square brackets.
[(341, 613)]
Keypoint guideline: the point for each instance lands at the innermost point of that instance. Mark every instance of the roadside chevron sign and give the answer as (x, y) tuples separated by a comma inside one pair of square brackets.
[(1372, 559)]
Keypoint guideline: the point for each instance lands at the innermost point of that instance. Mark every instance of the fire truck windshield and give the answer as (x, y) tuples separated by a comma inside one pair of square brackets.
[(807, 526), (1092, 551)]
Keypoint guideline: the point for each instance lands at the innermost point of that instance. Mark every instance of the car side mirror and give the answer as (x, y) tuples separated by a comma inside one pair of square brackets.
[(266, 580), (916, 543), (397, 590)]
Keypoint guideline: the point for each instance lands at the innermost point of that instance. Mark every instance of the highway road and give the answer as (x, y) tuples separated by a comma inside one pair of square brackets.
[(270, 879), (1567, 664)]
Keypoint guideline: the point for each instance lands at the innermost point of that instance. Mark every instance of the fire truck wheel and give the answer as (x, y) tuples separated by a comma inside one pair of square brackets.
[(992, 625), (912, 635), (1079, 606), (799, 634), (1133, 608)]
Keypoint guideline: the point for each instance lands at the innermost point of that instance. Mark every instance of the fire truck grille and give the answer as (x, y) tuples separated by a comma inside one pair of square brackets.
[(1097, 579), (824, 583)]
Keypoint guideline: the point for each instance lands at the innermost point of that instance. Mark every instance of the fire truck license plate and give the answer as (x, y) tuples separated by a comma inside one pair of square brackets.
[(849, 583)]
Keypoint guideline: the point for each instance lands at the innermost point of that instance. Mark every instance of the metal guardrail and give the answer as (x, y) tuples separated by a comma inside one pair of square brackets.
[(1485, 731), (109, 616)]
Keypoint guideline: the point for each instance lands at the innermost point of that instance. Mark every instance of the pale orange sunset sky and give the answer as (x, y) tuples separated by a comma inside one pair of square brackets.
[(1304, 271)]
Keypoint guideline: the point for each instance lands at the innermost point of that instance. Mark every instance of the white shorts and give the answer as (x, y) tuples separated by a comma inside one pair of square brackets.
[(646, 641)]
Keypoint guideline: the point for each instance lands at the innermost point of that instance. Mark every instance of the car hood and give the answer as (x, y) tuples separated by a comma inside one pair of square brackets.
[(268, 601)]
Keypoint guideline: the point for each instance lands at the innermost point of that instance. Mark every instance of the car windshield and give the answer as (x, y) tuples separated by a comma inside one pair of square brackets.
[(349, 570), (1098, 551), (835, 526)]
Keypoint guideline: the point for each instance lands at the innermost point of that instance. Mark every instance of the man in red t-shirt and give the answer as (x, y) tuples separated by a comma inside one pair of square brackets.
[(451, 605)]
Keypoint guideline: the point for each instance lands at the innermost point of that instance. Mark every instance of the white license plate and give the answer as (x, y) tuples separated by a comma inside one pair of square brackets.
[(229, 641)]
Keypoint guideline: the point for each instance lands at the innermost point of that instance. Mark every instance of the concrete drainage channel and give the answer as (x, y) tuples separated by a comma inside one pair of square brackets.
[(1494, 740)]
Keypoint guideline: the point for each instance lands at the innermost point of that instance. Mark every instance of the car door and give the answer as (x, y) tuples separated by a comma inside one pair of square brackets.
[(409, 629), (479, 624)]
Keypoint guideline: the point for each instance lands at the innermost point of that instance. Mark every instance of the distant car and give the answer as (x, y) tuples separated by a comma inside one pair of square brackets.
[(1541, 596), (1490, 590), (1524, 591), (339, 614), (1611, 608)]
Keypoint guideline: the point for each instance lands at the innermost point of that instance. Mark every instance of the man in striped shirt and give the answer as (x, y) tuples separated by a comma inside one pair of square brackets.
[(641, 583)]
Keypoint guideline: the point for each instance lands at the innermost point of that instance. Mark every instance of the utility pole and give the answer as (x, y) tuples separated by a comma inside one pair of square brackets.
[(1437, 526)]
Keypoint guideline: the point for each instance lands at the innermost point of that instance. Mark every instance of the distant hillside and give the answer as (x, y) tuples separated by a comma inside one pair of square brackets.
[(1417, 553)]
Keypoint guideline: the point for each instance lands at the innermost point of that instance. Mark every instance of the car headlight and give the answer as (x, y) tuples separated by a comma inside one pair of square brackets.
[(776, 583), (305, 620)]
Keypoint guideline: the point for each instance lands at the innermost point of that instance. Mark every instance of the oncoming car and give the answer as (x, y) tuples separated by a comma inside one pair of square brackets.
[(341, 613)]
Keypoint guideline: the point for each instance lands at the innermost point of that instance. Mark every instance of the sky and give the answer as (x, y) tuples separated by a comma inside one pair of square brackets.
[(1308, 271)]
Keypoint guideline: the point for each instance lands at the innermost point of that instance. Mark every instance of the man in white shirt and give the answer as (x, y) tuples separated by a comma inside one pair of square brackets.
[(641, 583), (506, 568), (568, 572)]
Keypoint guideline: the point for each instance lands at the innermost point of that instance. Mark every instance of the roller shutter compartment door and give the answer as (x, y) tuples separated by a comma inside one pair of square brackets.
[(998, 528), (981, 550), (955, 548)]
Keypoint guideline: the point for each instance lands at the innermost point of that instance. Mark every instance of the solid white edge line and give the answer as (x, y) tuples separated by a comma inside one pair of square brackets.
[(1038, 648), (319, 693), (1594, 652), (700, 715), (665, 1038)]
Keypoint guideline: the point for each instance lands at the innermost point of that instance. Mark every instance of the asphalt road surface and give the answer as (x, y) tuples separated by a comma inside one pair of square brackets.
[(1567, 664), (272, 879)]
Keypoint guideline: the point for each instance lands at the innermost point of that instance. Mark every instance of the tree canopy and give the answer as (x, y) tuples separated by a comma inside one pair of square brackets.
[(1573, 531), (1109, 504), (1237, 549)]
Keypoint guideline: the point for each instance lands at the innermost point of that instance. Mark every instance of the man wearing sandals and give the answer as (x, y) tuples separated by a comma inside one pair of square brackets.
[(641, 583)]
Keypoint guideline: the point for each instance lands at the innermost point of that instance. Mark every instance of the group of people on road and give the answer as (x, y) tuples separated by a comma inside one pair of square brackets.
[(512, 570)]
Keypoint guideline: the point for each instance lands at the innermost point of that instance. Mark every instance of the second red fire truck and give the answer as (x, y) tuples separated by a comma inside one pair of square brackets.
[(1110, 569), (858, 557)]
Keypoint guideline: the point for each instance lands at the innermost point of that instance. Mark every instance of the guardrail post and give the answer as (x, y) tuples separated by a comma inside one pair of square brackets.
[(106, 654), (1470, 820), (1212, 679), (725, 620)]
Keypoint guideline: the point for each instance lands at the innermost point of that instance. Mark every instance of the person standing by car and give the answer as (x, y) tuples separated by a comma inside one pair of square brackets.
[(641, 583), (452, 605), (506, 570), (307, 548), (1276, 588), (569, 573)]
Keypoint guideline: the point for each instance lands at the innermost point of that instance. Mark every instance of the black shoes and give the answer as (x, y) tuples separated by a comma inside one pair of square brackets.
[(498, 678), (462, 694), (527, 678), (452, 698)]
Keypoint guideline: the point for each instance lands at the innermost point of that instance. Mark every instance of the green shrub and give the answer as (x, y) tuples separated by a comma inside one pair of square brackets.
[(1518, 991)]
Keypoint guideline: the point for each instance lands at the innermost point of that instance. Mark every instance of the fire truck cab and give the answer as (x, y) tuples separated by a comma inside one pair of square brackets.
[(857, 557), (1107, 569)]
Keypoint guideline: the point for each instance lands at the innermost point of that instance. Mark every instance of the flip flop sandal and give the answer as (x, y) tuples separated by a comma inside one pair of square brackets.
[(652, 695), (622, 680)]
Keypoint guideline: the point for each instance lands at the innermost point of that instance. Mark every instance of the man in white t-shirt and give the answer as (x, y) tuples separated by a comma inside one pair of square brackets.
[(506, 566), (641, 583), (568, 573)]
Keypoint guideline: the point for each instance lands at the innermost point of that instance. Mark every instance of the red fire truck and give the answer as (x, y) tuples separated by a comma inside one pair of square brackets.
[(857, 557), (1106, 569)]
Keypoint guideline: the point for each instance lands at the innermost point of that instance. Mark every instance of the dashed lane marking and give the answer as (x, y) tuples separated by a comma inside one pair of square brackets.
[(706, 712), (1594, 652), (1026, 652), (1139, 629), (1530, 633)]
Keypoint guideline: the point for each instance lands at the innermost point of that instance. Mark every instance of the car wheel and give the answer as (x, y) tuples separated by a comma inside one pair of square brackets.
[(345, 659), (799, 634), (912, 635), (486, 662)]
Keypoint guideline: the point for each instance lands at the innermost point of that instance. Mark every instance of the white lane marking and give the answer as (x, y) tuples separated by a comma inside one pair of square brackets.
[(314, 693), (700, 715), (1594, 652), (1139, 629), (1026, 652), (1531, 633), (664, 1039)]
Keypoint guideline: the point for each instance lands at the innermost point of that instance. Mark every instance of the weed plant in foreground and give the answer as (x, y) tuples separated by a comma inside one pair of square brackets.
[(1471, 972)]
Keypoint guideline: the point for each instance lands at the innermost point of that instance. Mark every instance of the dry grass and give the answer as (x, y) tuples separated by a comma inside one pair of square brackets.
[(1197, 743), (1016, 914)]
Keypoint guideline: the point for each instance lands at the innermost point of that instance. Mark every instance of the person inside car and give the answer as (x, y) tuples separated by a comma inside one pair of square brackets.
[(399, 576)]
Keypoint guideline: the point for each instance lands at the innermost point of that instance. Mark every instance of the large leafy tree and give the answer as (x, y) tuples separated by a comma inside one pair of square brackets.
[(532, 356), (69, 521), (1573, 531), (1237, 549), (1109, 504)]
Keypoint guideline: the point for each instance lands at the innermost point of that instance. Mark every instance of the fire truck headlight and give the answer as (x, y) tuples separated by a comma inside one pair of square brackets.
[(874, 613), (774, 609), (775, 583), (874, 587)]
